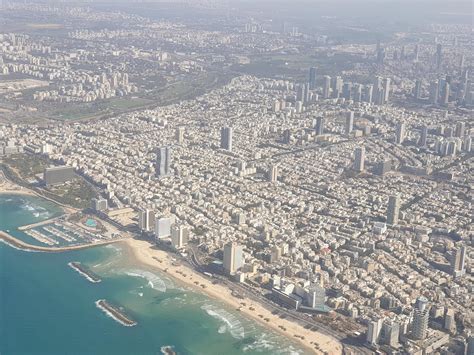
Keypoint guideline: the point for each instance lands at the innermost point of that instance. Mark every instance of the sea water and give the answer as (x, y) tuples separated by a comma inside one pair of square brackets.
[(48, 308)]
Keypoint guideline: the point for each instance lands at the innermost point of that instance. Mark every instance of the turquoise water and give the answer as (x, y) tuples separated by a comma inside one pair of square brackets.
[(91, 223), (48, 308)]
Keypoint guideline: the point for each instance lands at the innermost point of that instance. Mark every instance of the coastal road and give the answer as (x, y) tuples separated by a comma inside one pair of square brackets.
[(254, 295)]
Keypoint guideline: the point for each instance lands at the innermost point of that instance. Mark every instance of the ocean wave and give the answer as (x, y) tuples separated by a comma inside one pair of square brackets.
[(229, 322), (260, 344), (112, 246), (266, 342), (17, 248), (173, 301), (117, 250), (153, 280), (27, 207)]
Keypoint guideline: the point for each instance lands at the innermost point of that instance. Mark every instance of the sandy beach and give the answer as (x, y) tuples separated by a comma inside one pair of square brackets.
[(145, 254), (8, 187)]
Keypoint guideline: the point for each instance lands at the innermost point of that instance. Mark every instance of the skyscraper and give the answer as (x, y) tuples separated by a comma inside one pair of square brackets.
[(347, 91), (233, 258), (146, 218), (319, 128), (368, 93), (458, 262), (460, 129), (163, 162), (393, 209), (316, 297), (417, 92), (179, 236), (226, 138), (180, 135), (326, 86), (312, 78), (423, 136), (337, 87), (390, 333), (359, 159), (434, 92), (446, 92), (306, 93), (373, 331), (420, 318), (378, 91), (439, 56), (357, 93), (162, 227), (287, 136), (349, 122), (386, 89), (383, 167), (400, 133), (273, 173), (300, 93)]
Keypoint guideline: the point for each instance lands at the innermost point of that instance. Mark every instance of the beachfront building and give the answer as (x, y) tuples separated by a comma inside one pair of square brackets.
[(99, 204), (179, 236), (58, 175), (233, 257), (146, 220), (163, 227)]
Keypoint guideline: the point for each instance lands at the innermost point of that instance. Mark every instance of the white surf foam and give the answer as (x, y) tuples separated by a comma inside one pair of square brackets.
[(229, 322), (111, 315), (167, 349), (268, 342), (153, 280), (17, 248)]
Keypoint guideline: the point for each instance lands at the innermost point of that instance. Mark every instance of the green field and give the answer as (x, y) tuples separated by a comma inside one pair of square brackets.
[(296, 66), (184, 88)]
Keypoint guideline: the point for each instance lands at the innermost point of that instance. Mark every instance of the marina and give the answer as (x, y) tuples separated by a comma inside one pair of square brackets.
[(40, 237), (115, 313), (89, 275)]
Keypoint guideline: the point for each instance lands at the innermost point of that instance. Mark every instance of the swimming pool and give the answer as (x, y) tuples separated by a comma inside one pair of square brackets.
[(91, 223)]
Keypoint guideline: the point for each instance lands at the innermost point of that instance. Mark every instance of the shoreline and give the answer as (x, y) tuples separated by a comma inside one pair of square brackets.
[(143, 253), (8, 187), (160, 260)]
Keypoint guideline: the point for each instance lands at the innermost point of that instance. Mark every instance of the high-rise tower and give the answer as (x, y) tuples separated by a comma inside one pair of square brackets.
[(233, 258), (163, 162), (393, 209), (349, 122), (420, 318), (226, 138), (312, 78), (359, 159)]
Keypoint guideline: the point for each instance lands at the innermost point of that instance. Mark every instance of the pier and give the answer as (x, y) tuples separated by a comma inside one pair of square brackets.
[(17, 243), (39, 224)]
